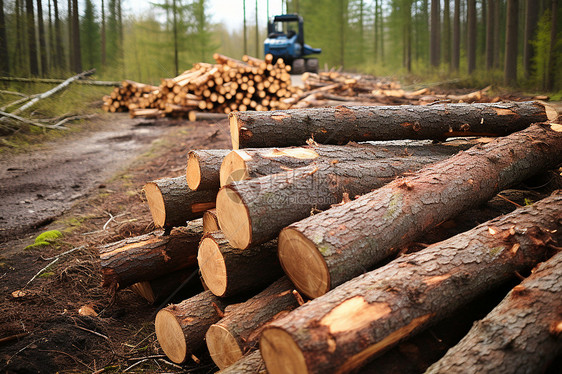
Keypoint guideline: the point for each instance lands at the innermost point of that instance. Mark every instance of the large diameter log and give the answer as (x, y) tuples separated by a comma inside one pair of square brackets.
[(254, 163), (238, 332), (203, 166), (254, 211), (149, 256), (342, 242), (228, 271), (529, 318), (341, 124), (181, 328), (362, 318), (251, 363), (172, 203)]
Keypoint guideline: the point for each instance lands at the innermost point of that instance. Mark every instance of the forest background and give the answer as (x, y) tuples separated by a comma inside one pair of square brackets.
[(516, 43)]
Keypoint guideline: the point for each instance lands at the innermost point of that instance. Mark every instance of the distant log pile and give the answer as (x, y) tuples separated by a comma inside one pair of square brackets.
[(229, 85), (292, 220)]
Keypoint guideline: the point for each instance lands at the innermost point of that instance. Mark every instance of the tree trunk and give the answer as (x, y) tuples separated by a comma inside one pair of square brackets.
[(76, 38), (254, 211), (447, 32), (471, 26), (203, 168), (20, 32), (59, 50), (528, 318), (342, 124), (51, 43), (180, 328), (551, 73), (172, 203), (149, 256), (456, 36), (71, 63), (510, 65), (342, 242), (369, 314), (4, 61), (531, 18), (159, 289), (42, 40), (31, 42), (238, 333), (228, 271), (103, 41), (497, 45), (210, 221), (435, 39), (490, 34), (251, 363)]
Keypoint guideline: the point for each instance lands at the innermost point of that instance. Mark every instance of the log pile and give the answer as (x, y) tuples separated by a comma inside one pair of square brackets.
[(298, 243), (229, 85)]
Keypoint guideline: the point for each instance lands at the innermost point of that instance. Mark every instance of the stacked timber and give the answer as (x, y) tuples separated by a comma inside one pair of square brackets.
[(298, 243), (229, 85)]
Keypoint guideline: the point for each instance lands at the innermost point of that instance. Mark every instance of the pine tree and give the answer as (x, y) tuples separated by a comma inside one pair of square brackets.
[(89, 36), (32, 44), (471, 40), (4, 61), (510, 65), (435, 40)]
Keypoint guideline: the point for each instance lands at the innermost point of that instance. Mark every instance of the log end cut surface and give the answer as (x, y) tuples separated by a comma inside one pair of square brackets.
[(234, 219), (155, 203), (280, 352), (213, 268), (144, 290), (193, 172), (170, 336), (303, 263), (233, 168), (234, 128), (222, 346)]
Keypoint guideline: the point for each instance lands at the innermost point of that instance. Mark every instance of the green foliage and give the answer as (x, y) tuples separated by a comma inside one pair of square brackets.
[(541, 45), (46, 238), (90, 37)]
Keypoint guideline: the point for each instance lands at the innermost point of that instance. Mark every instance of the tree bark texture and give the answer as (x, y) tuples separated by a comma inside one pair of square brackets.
[(346, 240), (203, 167), (347, 123), (149, 256), (239, 331), (510, 64), (251, 363), (273, 202), (181, 328), (172, 203), (339, 331), (228, 271), (254, 163), (521, 335)]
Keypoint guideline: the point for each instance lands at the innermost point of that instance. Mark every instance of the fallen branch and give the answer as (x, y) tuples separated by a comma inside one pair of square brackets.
[(73, 118), (54, 90), (64, 253), (30, 122), (56, 81), (17, 102), (4, 92), (41, 271)]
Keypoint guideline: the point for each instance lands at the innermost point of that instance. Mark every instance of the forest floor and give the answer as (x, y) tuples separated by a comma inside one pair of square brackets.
[(89, 187)]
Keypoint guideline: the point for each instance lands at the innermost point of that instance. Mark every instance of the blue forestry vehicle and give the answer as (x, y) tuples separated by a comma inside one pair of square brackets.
[(283, 41)]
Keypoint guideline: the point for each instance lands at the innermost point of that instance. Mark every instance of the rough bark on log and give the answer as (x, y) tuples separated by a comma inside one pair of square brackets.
[(360, 319), (254, 163), (181, 328), (203, 166), (172, 203), (343, 242), (529, 318), (254, 211), (210, 221), (252, 363), (157, 290), (238, 332), (228, 271), (348, 123), (149, 256)]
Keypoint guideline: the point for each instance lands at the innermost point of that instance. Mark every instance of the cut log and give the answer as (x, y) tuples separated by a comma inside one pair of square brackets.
[(181, 328), (149, 256), (203, 168), (172, 203), (360, 319), (254, 163), (254, 211), (348, 123), (204, 116), (157, 290), (210, 221), (529, 318), (238, 333), (343, 242), (252, 363), (228, 271)]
